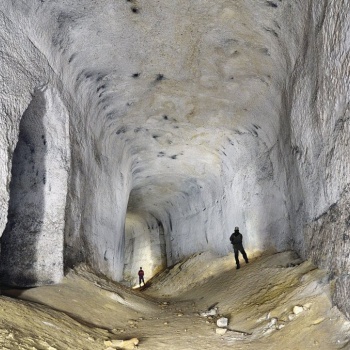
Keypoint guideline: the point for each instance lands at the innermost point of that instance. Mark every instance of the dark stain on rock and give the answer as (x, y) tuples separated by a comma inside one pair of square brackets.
[(121, 130), (271, 4), (277, 24), (165, 117), (136, 75), (170, 223), (265, 51), (71, 58), (272, 31), (334, 213), (161, 154), (230, 141), (137, 171), (174, 156), (111, 115), (347, 222), (295, 149), (100, 88), (88, 75), (100, 76), (159, 77), (105, 99), (80, 75), (135, 9)]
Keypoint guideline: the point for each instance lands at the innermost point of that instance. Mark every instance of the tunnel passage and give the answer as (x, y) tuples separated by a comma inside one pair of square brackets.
[(32, 242), (144, 246), (262, 87)]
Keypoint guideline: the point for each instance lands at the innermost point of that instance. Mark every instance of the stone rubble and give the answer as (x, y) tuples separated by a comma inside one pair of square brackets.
[(220, 331), (297, 309), (122, 344), (222, 322), (211, 312)]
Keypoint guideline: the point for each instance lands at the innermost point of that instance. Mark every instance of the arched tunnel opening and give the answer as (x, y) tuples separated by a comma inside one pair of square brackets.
[(144, 246)]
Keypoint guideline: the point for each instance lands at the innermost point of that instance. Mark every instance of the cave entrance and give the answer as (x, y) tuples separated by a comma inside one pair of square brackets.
[(32, 242), (144, 246)]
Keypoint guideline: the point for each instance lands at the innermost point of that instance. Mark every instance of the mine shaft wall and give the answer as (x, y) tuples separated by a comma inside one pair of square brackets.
[(320, 114), (284, 180)]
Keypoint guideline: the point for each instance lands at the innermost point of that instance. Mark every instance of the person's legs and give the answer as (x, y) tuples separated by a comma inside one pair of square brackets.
[(244, 255), (236, 257)]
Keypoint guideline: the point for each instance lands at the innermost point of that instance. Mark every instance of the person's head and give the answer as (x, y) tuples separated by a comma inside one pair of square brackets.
[(236, 229), (140, 268)]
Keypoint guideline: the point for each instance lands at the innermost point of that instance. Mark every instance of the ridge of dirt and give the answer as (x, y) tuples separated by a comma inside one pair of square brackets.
[(274, 301)]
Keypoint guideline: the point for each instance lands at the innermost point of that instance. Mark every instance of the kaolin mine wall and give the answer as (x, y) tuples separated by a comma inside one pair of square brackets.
[(150, 130)]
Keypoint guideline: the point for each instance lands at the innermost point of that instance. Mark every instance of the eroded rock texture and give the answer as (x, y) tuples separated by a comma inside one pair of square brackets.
[(171, 123)]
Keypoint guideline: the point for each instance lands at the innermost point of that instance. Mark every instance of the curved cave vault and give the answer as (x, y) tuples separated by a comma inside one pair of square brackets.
[(262, 86), (32, 242)]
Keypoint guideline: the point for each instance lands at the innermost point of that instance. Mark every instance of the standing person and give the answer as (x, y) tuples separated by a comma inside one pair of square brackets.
[(141, 274), (237, 242)]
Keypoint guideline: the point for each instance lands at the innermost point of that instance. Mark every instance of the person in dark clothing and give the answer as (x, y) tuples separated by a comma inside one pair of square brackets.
[(237, 242), (141, 273)]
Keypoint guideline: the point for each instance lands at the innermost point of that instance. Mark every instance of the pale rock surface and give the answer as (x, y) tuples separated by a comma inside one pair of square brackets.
[(167, 124), (222, 322), (209, 313), (122, 344), (273, 322), (291, 317), (220, 331), (297, 309)]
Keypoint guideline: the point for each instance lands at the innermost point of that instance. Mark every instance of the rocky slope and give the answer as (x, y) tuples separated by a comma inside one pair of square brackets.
[(277, 301)]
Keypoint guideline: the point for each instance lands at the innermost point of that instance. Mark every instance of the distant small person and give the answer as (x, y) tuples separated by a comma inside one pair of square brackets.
[(141, 273), (237, 242)]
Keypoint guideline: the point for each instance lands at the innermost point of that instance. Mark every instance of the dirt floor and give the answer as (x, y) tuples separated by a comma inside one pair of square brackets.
[(274, 302)]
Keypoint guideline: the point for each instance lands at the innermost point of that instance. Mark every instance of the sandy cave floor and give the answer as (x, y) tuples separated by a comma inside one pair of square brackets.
[(86, 310)]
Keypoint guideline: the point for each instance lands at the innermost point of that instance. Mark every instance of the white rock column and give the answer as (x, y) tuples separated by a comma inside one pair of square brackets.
[(32, 243)]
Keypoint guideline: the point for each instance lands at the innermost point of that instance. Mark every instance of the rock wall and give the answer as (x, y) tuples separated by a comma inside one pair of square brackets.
[(185, 120), (320, 114)]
